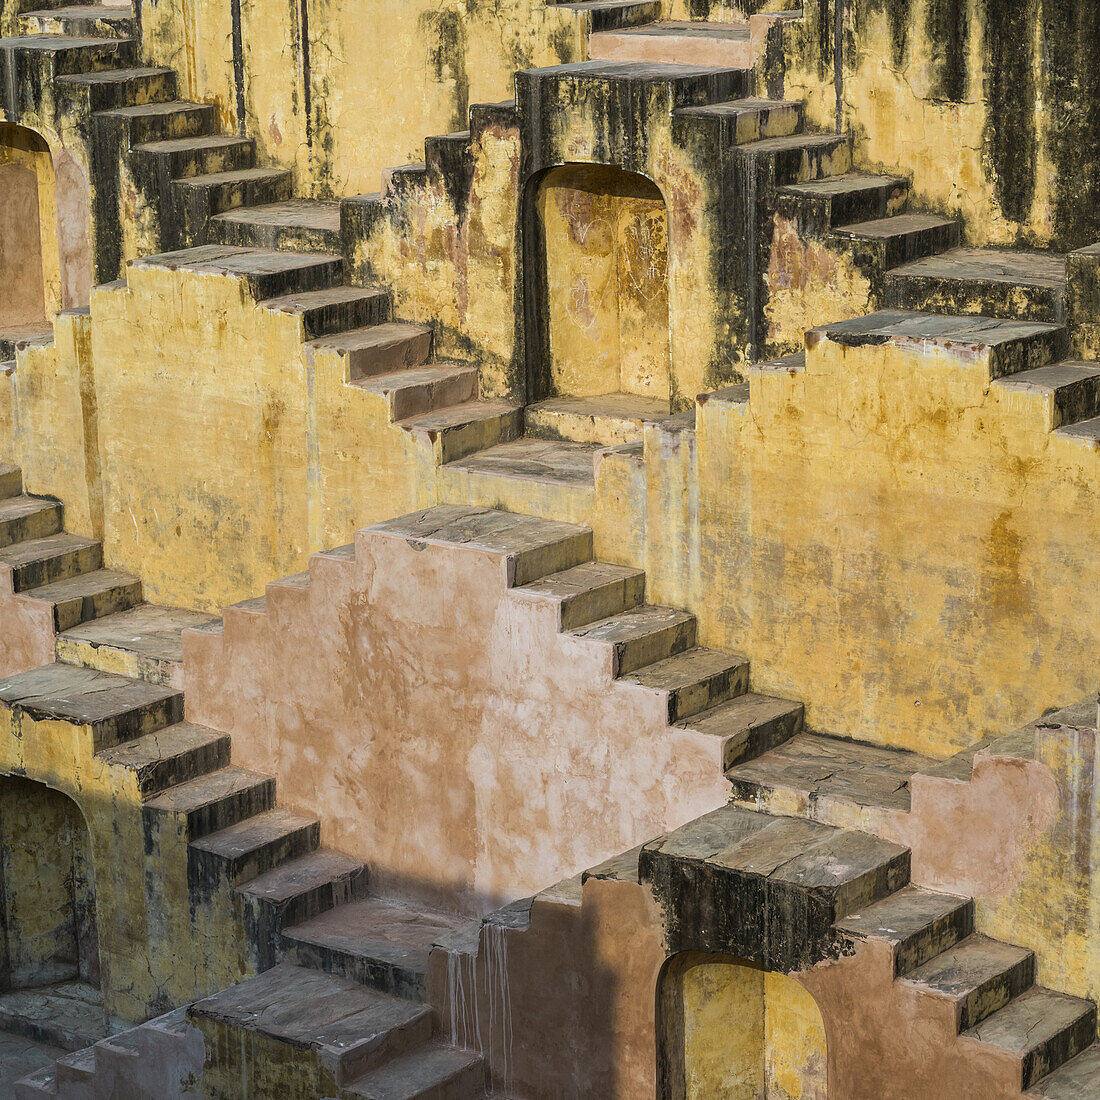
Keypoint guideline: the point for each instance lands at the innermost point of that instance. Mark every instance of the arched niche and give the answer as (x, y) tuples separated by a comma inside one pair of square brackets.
[(47, 889), (603, 284), (730, 1030)]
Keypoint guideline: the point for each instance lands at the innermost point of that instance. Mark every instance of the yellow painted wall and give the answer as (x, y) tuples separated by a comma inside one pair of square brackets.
[(605, 235)]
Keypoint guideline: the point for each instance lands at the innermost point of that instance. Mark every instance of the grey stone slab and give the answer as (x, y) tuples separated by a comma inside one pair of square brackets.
[(80, 695), (1047, 269), (1078, 1079), (529, 459)]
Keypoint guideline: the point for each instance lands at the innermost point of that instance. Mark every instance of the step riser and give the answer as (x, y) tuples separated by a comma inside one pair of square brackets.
[(816, 217), (636, 653), (995, 993), (430, 396), (1080, 401), (189, 765), (315, 276), (684, 703), (199, 202), (403, 354), (1028, 354), (1059, 1049), (358, 313), (11, 484), (760, 738), (249, 802), (396, 1042), (207, 871), (37, 525), (264, 920), (199, 121), (143, 720), (933, 940), (84, 609), (888, 878), (131, 92), (465, 439), (1006, 300), (276, 238), (77, 26), (799, 165), (73, 563), (186, 163), (387, 977), (602, 602), (907, 247)]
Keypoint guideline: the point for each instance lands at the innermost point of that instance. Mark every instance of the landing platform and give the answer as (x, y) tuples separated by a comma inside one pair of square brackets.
[(608, 419), (68, 1015)]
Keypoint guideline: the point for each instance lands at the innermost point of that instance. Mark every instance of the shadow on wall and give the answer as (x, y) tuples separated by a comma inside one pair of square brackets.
[(732, 1029), (45, 260)]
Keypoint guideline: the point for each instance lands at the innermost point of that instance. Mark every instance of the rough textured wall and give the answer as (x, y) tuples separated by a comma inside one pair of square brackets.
[(342, 89), (992, 105)]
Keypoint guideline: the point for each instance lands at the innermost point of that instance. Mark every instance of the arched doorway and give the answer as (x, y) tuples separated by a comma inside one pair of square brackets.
[(730, 1030), (50, 942), (604, 284)]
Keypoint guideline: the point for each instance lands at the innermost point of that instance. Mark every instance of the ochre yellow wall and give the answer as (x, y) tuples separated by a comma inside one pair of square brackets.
[(605, 236)]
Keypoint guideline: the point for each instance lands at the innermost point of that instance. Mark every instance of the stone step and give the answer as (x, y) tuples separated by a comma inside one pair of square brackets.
[(569, 466), (159, 121), (11, 481), (201, 197), (696, 680), (431, 1072), (213, 801), (448, 156), (1084, 431), (1078, 1079), (975, 977), (56, 55), (529, 548), (37, 1085), (917, 925), (36, 562), (171, 756), (901, 238), (178, 158), (607, 15), (989, 282), (719, 45), (334, 1030), (995, 346), (113, 88), (81, 21), (24, 518), (115, 707), (641, 636), (88, 596), (853, 197), (17, 337), (748, 725), (1040, 1028), (295, 892), (379, 349), (826, 778), (402, 178), (778, 162), (463, 429), (609, 419), (74, 1075), (251, 847), (740, 121), (66, 1014), (380, 942), (333, 309), (588, 592), (424, 389), (1069, 391), (766, 889), (269, 276), (297, 225), (145, 642)]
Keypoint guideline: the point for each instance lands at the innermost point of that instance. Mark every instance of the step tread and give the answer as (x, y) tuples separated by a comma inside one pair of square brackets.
[(299, 876), (559, 462), (791, 141), (294, 213), (370, 336), (148, 110), (960, 970), (234, 175), (898, 225), (167, 744), (206, 790), (673, 28), (100, 11), (843, 184), (44, 549), (147, 629), (418, 1074), (1077, 1079), (1040, 269), (581, 579), (736, 715), (1052, 377), (1031, 1019), (908, 325), (114, 76), (81, 695), (414, 376), (191, 144), (56, 43), (309, 1009), (901, 916), (397, 932), (636, 622), (307, 300), (1085, 429), (456, 416), (744, 105), (685, 669), (23, 505), (233, 261), (86, 584), (253, 833)]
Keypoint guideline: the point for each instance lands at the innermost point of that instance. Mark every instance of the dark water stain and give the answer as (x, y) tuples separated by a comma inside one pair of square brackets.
[(947, 24)]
